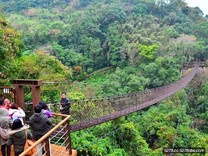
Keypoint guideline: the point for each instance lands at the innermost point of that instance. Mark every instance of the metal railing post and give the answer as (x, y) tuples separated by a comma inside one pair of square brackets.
[(47, 147), (68, 138)]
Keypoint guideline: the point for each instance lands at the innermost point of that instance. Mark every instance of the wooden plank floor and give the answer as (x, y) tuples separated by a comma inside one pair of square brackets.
[(55, 151), (61, 150)]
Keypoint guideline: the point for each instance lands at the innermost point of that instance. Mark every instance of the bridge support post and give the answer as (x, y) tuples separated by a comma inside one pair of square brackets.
[(19, 93), (35, 95), (19, 96)]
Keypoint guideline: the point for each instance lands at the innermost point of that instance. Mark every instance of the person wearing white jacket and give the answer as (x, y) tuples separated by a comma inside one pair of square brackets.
[(15, 112)]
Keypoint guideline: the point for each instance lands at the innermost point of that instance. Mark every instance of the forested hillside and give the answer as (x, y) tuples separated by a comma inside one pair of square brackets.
[(109, 48)]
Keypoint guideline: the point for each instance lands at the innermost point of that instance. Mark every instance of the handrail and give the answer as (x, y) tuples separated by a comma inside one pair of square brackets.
[(67, 117)]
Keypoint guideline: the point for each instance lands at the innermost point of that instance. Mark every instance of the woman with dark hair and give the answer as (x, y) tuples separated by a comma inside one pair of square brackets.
[(17, 124), (45, 110), (18, 136), (6, 103)]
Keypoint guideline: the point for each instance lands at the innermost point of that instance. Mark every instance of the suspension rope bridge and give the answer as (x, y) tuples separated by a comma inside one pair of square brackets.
[(88, 113)]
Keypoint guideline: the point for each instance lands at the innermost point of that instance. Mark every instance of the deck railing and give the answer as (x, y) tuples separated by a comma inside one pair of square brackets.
[(53, 142)]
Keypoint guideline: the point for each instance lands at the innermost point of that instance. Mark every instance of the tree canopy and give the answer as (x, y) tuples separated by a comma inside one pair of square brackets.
[(109, 48)]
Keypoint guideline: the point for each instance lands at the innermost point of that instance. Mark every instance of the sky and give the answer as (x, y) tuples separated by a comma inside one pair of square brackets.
[(202, 4)]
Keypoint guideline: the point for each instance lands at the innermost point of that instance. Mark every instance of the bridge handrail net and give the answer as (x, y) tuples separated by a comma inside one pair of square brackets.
[(91, 112), (95, 112)]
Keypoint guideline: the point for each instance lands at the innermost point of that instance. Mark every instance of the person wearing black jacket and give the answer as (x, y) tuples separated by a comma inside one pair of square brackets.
[(40, 125), (64, 104)]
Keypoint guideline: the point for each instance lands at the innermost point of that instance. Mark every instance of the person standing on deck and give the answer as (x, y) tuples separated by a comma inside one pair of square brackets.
[(18, 136), (45, 109), (64, 104), (6, 103), (4, 124), (15, 112), (40, 125)]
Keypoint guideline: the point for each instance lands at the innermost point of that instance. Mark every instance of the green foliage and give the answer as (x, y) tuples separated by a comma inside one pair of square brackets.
[(117, 152), (114, 40), (75, 95), (199, 30), (146, 43), (162, 71), (40, 66), (129, 139), (140, 9), (10, 45), (198, 107), (171, 32), (148, 52), (88, 144), (87, 109), (67, 56), (96, 34), (121, 81), (159, 126), (43, 67)]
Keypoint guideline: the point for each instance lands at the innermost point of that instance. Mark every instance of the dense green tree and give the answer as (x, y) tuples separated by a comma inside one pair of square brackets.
[(10, 45), (39, 66), (134, 45), (67, 56), (128, 137), (161, 72), (123, 81), (147, 52), (200, 31), (105, 33), (43, 67)]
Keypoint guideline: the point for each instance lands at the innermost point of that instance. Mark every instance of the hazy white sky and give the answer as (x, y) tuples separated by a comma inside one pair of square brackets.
[(202, 4)]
